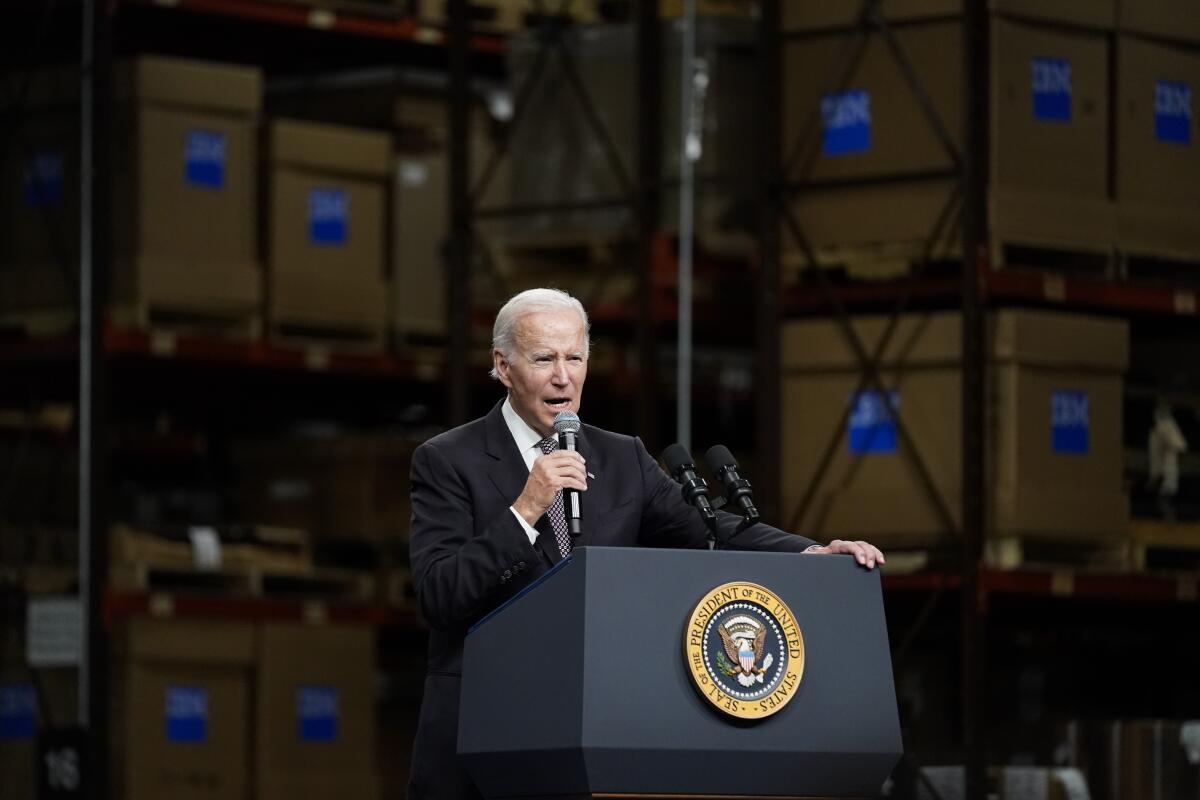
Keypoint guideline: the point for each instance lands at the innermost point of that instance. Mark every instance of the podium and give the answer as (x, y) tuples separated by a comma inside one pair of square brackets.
[(583, 685)]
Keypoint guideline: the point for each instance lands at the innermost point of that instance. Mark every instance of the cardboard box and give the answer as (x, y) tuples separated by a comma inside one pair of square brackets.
[(419, 245), (182, 710), (185, 178), (1158, 147), (870, 124), (327, 226), (1169, 19), (809, 15), (1053, 438), (315, 717)]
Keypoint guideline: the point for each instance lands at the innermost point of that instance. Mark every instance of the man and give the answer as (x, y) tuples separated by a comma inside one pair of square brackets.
[(487, 510)]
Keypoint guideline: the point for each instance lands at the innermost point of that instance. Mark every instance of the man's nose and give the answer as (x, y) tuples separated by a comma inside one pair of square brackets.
[(560, 376)]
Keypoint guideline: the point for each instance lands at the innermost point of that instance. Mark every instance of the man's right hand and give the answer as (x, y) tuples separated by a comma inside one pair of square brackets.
[(562, 469)]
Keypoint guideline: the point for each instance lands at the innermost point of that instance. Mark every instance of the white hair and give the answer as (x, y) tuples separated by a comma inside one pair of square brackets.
[(532, 301)]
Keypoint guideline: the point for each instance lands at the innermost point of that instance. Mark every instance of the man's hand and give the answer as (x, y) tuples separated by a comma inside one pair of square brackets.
[(562, 469), (864, 553)]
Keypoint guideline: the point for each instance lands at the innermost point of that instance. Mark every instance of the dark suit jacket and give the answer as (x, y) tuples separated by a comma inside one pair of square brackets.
[(469, 552)]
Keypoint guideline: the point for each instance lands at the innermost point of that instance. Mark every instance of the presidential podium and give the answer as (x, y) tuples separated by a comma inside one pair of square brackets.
[(637, 671)]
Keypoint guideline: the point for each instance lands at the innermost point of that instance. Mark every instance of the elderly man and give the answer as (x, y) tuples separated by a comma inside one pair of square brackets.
[(487, 509)]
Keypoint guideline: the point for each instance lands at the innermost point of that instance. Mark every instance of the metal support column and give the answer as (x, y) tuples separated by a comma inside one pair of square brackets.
[(974, 517), (458, 296), (95, 250), (649, 137), (768, 317)]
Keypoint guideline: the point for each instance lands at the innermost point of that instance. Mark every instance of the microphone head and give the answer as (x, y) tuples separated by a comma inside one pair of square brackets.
[(566, 422), (676, 457), (719, 458)]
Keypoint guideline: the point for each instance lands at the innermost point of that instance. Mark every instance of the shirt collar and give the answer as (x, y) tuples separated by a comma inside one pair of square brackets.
[(525, 436)]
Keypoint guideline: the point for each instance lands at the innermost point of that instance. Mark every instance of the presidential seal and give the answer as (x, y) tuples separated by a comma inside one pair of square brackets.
[(744, 650)]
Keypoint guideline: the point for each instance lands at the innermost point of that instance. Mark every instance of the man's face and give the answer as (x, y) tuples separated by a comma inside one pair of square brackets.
[(545, 372)]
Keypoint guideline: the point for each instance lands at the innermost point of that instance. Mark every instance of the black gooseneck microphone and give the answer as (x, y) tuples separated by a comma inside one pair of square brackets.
[(695, 490), (566, 425), (737, 489)]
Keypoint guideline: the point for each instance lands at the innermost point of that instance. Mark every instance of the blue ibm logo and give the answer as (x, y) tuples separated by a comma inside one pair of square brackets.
[(846, 123), (1173, 112), (187, 714), (872, 429), (17, 711), (204, 158), (1070, 422), (1051, 79), (328, 216), (317, 713), (43, 180)]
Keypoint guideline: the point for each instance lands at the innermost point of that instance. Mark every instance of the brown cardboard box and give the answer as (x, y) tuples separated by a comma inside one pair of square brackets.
[(315, 712), (419, 239), (185, 179), (890, 134), (181, 710), (815, 15), (1059, 477), (327, 234), (1158, 147), (1169, 19)]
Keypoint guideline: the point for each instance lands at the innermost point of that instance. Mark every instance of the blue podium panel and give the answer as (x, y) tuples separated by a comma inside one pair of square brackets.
[(580, 685)]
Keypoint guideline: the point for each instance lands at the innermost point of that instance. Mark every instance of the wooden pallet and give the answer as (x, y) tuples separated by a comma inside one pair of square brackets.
[(509, 16), (913, 553), (881, 261), (38, 324), (1170, 269), (315, 584), (261, 547), (1067, 257), (347, 336), (1168, 546), (235, 323)]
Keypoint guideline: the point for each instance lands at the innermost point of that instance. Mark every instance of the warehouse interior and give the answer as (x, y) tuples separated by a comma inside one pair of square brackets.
[(929, 268)]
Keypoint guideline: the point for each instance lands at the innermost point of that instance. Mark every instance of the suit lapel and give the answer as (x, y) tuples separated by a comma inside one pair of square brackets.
[(508, 473), (595, 500)]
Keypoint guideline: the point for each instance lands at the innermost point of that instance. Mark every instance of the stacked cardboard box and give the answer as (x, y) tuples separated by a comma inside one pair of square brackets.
[(315, 713), (1157, 158), (184, 192), (851, 115), (328, 200), (1054, 457)]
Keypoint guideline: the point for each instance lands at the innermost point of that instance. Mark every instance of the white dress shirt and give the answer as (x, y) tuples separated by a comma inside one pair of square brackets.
[(528, 442)]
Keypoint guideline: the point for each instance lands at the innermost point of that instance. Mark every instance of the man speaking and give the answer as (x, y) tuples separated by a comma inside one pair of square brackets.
[(488, 514)]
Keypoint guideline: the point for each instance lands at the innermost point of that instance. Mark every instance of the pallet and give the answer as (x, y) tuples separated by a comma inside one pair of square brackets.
[(595, 267), (1074, 258), (1175, 270), (38, 324), (509, 16), (328, 336), (868, 263), (914, 553), (258, 547), (318, 584), (1160, 545), (235, 323)]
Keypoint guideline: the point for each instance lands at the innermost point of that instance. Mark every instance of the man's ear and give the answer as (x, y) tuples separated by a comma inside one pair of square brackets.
[(501, 366)]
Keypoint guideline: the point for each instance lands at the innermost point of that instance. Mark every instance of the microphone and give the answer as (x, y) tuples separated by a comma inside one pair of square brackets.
[(566, 425), (737, 489), (683, 470)]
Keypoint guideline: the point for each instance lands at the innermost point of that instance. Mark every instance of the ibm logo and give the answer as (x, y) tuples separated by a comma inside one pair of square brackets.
[(872, 429), (204, 158), (328, 212), (1051, 85), (187, 713), (1070, 422), (317, 713), (1173, 112), (17, 711), (846, 121), (43, 180)]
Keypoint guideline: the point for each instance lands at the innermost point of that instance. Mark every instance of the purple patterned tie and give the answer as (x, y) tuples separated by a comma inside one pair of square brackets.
[(556, 512)]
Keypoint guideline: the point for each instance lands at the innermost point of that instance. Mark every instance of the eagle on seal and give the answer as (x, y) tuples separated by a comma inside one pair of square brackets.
[(742, 652)]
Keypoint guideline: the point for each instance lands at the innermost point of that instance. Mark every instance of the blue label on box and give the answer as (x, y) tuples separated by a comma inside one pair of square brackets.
[(204, 158), (187, 714), (18, 710), (1069, 422), (872, 429), (43, 180), (1051, 78), (846, 122), (1173, 112), (317, 713), (328, 216)]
